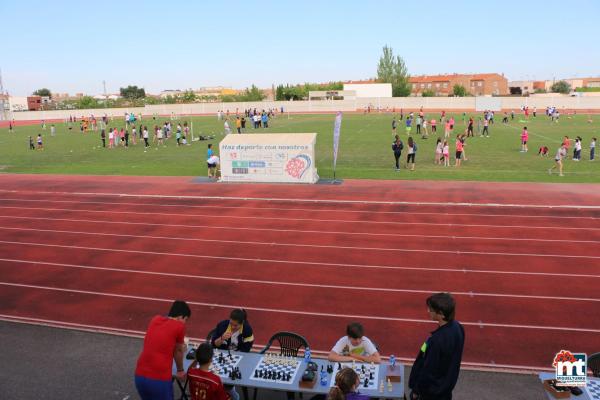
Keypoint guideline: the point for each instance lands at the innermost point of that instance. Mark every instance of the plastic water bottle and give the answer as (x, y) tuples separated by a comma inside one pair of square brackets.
[(393, 361), (307, 355), (324, 376)]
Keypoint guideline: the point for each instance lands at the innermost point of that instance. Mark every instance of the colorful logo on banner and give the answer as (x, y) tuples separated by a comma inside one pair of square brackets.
[(297, 166), (571, 368), (336, 136)]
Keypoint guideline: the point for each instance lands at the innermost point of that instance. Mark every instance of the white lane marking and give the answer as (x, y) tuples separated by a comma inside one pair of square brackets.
[(309, 285), (287, 262), (297, 312), (334, 201), (316, 246), (318, 232), (328, 210), (246, 217)]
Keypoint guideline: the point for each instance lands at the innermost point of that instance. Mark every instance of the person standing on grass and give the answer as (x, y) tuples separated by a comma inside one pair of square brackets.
[(592, 149), (447, 129), (133, 134), (10, 127), (561, 153), (446, 153), (463, 139), (433, 123), (408, 124), (438, 152), (238, 124), (164, 342), (52, 130), (577, 149), (126, 137), (459, 151), (394, 125), (226, 127), (412, 152), (111, 138), (145, 137), (122, 135), (178, 136), (435, 371), (265, 120), (103, 137), (470, 127), (419, 123), (160, 137), (425, 133), (397, 147), (524, 138), (486, 125), (31, 145)]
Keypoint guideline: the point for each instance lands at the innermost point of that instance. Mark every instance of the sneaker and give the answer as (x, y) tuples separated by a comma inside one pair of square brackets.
[(397, 169)]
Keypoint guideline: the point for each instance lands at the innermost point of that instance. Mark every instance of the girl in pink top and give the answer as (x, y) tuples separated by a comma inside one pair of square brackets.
[(524, 138), (446, 154), (447, 130), (433, 127), (459, 151)]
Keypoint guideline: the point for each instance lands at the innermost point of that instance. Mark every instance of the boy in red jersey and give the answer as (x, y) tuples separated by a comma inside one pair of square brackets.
[(164, 341), (204, 385)]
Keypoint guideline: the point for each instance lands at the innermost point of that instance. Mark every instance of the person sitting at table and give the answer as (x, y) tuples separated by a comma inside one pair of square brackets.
[(163, 343), (234, 333), (204, 385), (346, 384), (354, 347)]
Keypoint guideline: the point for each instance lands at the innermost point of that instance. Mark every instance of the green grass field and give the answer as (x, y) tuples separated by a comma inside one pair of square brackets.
[(365, 150)]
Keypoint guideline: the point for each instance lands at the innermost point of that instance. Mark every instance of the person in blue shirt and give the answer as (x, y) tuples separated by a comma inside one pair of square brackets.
[(209, 152), (265, 120), (435, 371), (408, 125)]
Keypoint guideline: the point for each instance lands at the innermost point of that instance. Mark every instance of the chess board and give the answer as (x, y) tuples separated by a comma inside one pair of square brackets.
[(222, 362), (593, 389), (275, 368), (364, 371)]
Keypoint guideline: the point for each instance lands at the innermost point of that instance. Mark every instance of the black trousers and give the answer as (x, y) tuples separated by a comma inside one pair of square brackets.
[(397, 157), (103, 142)]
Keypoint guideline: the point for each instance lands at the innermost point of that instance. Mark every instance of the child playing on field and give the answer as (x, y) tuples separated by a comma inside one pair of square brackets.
[(592, 149), (438, 151), (40, 146), (31, 145), (111, 138), (446, 153), (122, 135), (524, 138), (433, 123), (543, 151), (447, 129)]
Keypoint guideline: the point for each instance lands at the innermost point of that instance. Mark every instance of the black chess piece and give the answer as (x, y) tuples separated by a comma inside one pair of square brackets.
[(329, 368), (366, 382), (339, 366), (256, 373), (371, 376), (362, 368)]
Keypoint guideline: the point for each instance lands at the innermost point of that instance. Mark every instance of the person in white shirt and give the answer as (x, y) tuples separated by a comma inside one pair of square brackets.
[(212, 163), (560, 154), (227, 128), (354, 347), (592, 149)]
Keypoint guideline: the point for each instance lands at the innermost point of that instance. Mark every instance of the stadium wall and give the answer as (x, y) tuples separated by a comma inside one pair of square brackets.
[(564, 103)]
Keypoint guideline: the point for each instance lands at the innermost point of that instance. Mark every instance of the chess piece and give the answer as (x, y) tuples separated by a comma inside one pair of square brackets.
[(366, 384), (381, 387), (389, 385)]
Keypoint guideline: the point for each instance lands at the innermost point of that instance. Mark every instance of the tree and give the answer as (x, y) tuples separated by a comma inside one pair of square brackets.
[(561, 87), (459, 90), (43, 92), (132, 92), (189, 96), (393, 70), (428, 93)]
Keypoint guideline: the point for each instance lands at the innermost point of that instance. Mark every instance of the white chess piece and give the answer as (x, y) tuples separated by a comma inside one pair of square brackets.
[(381, 387)]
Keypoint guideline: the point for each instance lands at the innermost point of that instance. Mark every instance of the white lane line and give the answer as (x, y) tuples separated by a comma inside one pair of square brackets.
[(318, 232), (140, 335), (345, 221), (290, 262), (334, 201), (297, 312), (316, 246), (307, 285), (328, 210)]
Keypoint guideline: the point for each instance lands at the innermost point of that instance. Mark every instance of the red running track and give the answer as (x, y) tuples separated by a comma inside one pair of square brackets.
[(107, 253)]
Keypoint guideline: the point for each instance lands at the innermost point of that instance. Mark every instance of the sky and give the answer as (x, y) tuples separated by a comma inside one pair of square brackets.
[(72, 46)]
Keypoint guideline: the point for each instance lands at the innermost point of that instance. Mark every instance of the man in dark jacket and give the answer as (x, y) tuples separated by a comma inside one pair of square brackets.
[(435, 371)]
